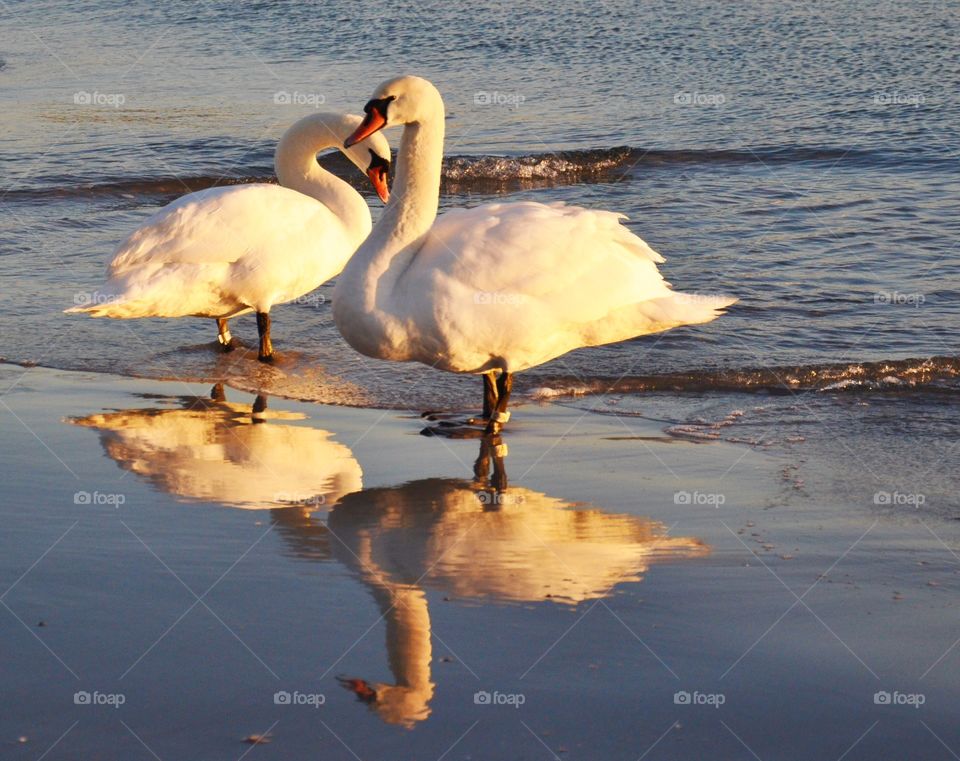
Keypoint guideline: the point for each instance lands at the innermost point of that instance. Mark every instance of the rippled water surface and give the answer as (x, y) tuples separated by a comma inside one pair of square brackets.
[(801, 157)]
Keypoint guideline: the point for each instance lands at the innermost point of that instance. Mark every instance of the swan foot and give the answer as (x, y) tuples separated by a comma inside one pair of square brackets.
[(453, 418), (453, 431), (452, 425), (496, 396), (496, 423), (223, 336)]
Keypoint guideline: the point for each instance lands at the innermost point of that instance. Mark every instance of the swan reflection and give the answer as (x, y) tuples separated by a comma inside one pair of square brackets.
[(472, 539), (212, 450), (476, 539)]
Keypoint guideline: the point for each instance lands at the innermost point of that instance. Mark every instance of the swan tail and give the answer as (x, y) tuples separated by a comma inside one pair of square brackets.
[(105, 306), (685, 309), (654, 316), (163, 290)]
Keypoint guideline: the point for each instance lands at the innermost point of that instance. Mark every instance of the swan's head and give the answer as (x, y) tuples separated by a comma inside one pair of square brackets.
[(403, 100), (371, 156)]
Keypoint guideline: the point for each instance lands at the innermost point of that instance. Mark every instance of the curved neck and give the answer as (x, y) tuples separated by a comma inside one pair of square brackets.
[(408, 217), (417, 187), (296, 166)]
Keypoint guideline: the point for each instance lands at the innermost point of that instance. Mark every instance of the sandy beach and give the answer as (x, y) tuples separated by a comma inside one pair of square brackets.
[(593, 588)]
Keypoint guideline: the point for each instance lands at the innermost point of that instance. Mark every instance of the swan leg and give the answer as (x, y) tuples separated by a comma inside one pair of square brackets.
[(500, 415), (489, 395), (223, 335), (263, 328)]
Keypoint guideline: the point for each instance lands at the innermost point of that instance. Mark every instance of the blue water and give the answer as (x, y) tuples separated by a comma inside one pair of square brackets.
[(801, 157)]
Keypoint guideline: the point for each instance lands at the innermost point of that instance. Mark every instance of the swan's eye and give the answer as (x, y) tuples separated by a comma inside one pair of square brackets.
[(379, 105)]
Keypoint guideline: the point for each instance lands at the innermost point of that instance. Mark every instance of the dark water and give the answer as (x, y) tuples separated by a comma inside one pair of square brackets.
[(801, 157)]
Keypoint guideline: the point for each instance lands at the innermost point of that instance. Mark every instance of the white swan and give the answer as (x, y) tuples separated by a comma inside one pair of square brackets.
[(497, 288), (222, 252)]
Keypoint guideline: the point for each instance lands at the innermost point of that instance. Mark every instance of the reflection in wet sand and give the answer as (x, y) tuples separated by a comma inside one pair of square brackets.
[(475, 539), (212, 450)]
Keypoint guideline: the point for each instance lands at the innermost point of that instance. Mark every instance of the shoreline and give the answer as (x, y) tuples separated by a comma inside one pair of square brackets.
[(613, 566)]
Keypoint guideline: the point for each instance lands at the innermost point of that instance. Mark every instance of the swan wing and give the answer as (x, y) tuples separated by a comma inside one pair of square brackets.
[(222, 251), (530, 281), (218, 225)]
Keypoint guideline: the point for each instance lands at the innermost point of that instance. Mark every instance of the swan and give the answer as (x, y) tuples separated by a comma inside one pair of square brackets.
[(494, 289), (226, 251)]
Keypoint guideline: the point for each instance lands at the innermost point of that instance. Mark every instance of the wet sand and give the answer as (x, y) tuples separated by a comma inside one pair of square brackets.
[(180, 574)]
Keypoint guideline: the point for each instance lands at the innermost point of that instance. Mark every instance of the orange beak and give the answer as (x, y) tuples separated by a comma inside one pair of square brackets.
[(372, 122), (378, 178)]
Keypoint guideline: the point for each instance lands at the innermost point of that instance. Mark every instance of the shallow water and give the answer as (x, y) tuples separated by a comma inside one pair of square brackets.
[(235, 566), (802, 158)]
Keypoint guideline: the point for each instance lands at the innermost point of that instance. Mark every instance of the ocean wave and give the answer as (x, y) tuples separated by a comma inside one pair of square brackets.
[(462, 173), (896, 375), (303, 377)]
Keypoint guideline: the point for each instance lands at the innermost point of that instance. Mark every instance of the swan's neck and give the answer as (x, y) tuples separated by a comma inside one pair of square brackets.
[(417, 187), (297, 168), (410, 214)]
